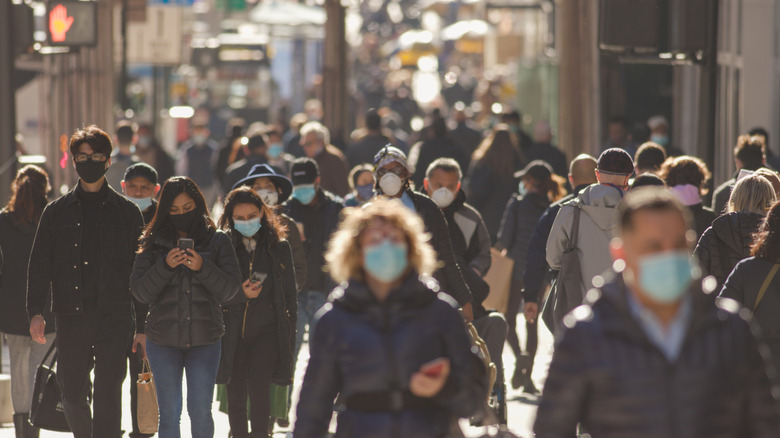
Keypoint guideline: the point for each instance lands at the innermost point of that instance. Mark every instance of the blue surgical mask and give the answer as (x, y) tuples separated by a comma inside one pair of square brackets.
[(365, 192), (521, 188), (663, 140), (304, 193), (666, 276), (199, 139), (275, 150), (142, 203), (247, 228), (385, 261)]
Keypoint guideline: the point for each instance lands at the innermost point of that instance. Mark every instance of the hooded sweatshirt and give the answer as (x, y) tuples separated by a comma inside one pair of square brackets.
[(598, 223)]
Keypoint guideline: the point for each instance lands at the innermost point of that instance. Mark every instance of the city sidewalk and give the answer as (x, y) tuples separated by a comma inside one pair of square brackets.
[(522, 407)]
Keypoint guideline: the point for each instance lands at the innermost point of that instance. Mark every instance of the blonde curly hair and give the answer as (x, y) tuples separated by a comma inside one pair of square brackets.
[(345, 256)]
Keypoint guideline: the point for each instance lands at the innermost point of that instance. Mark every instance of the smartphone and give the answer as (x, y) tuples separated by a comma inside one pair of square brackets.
[(258, 278), (434, 369), (185, 243)]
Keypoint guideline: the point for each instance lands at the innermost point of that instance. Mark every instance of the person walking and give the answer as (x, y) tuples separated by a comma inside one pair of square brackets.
[(197, 159), (538, 187), (652, 354), (728, 240), (754, 283), (18, 221), (259, 320), (82, 258), (395, 351), (315, 141), (491, 176), (185, 270)]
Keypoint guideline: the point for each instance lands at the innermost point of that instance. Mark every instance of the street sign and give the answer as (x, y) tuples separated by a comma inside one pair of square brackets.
[(158, 41), (72, 23)]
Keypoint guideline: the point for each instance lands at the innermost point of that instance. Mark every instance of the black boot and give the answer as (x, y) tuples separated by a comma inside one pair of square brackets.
[(19, 420)]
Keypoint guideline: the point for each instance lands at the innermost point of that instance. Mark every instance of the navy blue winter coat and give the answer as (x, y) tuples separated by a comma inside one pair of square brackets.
[(362, 346)]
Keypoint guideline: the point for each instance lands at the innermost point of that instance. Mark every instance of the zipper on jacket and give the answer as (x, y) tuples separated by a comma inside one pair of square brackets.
[(243, 325)]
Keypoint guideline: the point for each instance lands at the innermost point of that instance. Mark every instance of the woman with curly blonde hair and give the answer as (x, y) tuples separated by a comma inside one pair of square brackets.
[(395, 349)]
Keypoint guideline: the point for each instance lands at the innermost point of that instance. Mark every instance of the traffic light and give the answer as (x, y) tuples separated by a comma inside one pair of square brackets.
[(72, 23)]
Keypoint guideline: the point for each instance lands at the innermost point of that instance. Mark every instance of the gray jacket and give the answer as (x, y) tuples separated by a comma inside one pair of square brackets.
[(598, 222)]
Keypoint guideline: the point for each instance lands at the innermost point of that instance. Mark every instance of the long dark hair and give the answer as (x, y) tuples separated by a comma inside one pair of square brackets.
[(245, 195), (28, 195), (766, 241), (500, 152), (160, 228)]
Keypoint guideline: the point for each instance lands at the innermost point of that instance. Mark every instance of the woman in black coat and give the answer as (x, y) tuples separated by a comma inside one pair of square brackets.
[(728, 240), (396, 351), (18, 222), (259, 320), (745, 282), (185, 270)]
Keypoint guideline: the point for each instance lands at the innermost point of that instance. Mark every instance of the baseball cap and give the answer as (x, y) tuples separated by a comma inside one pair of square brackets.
[(616, 161), (141, 169), (304, 171)]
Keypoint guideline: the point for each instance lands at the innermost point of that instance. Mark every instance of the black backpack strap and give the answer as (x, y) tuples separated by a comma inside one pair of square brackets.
[(575, 226), (51, 352)]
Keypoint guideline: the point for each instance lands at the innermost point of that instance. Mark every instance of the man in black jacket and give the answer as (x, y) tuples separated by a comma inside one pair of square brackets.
[(83, 255), (393, 174), (652, 354), (316, 213), (140, 186)]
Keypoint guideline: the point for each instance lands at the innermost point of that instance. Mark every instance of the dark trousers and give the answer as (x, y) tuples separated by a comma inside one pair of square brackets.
[(135, 363), (513, 308), (253, 365), (84, 341)]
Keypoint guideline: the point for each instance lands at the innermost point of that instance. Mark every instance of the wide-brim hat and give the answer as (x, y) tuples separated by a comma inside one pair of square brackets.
[(266, 171)]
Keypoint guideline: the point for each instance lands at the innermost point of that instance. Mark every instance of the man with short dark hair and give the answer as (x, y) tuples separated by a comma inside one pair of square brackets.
[(197, 159), (316, 213), (364, 149), (749, 154), (122, 156), (333, 170), (649, 158), (652, 354), (82, 256)]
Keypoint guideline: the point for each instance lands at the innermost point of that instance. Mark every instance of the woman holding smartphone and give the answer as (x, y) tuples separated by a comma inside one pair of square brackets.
[(395, 350), (184, 270), (260, 320)]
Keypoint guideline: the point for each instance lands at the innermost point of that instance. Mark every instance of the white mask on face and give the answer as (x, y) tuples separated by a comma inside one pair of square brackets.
[(269, 197), (391, 184), (443, 197)]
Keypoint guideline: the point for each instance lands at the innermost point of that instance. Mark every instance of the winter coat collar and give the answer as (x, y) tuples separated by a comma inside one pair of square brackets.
[(112, 196), (416, 291)]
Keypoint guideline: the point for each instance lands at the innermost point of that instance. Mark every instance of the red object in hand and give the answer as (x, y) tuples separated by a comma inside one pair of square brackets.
[(433, 370)]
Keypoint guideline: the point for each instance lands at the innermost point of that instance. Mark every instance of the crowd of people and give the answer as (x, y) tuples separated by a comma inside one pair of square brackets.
[(662, 305)]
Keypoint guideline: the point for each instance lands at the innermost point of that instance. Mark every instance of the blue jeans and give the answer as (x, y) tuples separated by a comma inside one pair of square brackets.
[(309, 302), (168, 365)]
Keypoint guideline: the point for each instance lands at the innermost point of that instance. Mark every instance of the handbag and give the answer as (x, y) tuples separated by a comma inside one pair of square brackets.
[(146, 402), (499, 278), (46, 410)]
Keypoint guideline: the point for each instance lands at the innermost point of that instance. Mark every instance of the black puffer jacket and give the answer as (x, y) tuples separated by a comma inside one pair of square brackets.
[(725, 243), (242, 314), (703, 217), (517, 226), (362, 346), (743, 285), (608, 376), (184, 306)]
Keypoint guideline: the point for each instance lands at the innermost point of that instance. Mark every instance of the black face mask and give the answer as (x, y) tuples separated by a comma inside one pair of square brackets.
[(91, 171), (183, 222)]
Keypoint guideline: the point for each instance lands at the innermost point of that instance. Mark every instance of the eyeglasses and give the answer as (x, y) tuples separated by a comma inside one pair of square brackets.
[(97, 156)]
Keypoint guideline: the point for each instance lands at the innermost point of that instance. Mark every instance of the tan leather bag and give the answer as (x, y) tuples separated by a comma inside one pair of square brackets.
[(148, 409)]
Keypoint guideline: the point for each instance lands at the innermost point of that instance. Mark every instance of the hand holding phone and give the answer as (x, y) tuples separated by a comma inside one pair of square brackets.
[(258, 278), (431, 377)]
